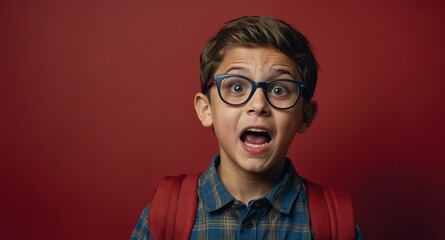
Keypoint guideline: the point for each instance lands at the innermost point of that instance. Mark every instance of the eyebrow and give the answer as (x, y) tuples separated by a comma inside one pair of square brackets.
[(284, 71), (237, 68), (278, 70)]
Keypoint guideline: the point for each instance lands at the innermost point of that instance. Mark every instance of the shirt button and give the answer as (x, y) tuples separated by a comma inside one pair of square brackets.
[(248, 224)]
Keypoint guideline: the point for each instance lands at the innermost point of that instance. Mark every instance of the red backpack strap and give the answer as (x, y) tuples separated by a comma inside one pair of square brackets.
[(188, 203), (318, 211), (331, 212), (173, 208), (341, 213)]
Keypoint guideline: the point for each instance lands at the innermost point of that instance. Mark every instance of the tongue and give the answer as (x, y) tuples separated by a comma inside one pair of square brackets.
[(254, 139)]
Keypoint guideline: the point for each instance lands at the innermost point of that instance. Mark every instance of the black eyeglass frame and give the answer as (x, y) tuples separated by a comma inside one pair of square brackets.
[(264, 85)]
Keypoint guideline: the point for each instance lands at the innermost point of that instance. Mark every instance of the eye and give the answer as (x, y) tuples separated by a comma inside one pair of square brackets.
[(278, 90), (235, 85), (237, 88)]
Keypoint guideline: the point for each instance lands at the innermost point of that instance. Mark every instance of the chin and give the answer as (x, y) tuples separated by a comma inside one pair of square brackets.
[(257, 166)]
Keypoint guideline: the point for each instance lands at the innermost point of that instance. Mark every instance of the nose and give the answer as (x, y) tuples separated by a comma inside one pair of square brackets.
[(258, 104)]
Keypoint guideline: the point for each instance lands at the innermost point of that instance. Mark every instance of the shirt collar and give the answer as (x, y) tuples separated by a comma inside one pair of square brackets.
[(284, 194), (215, 195), (281, 197)]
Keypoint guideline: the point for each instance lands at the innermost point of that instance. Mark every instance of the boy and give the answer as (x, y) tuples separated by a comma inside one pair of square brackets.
[(258, 76)]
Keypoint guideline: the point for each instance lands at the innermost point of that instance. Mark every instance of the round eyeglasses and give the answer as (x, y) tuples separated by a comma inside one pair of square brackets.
[(236, 90)]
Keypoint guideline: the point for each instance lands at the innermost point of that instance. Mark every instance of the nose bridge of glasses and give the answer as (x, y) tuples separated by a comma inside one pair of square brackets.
[(257, 85), (262, 85)]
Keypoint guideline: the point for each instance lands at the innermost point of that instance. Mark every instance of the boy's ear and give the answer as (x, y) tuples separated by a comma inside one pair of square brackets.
[(203, 110), (309, 112)]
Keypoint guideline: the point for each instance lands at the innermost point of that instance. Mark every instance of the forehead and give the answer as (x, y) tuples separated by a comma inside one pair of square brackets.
[(257, 59)]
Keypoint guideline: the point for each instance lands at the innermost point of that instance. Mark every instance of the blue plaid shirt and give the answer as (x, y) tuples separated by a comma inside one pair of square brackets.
[(281, 214)]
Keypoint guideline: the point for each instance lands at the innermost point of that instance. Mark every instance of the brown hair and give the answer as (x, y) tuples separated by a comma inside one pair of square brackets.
[(253, 31)]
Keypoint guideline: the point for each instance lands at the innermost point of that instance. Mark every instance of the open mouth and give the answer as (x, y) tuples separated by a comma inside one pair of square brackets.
[(255, 137)]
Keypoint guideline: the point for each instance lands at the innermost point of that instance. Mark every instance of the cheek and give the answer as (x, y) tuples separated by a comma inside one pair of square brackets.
[(225, 129), (288, 124), (224, 118), (294, 117)]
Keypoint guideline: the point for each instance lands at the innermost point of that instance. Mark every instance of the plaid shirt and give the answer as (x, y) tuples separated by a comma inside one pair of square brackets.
[(280, 214)]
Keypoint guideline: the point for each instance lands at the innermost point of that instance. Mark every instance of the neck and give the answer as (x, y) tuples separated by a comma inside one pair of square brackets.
[(248, 186)]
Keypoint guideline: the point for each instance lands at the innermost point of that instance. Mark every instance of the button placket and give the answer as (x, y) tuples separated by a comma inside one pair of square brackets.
[(248, 224)]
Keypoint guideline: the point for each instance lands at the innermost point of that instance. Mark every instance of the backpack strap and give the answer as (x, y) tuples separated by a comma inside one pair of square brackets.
[(173, 208), (331, 212)]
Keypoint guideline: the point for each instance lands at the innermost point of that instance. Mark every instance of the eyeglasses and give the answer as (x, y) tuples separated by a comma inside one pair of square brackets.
[(236, 90)]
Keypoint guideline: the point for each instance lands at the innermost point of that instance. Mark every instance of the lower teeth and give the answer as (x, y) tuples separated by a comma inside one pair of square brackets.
[(255, 145)]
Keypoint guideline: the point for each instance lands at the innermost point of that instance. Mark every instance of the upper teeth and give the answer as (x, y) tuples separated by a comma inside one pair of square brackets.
[(256, 130)]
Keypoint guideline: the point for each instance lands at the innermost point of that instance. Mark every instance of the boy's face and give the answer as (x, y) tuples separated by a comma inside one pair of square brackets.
[(254, 137)]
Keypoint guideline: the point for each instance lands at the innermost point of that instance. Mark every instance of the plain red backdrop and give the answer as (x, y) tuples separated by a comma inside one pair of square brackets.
[(97, 105)]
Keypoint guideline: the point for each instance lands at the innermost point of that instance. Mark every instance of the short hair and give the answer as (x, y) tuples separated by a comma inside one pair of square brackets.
[(254, 31)]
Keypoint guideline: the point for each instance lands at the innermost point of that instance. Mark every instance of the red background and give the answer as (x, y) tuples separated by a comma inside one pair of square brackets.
[(97, 105)]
